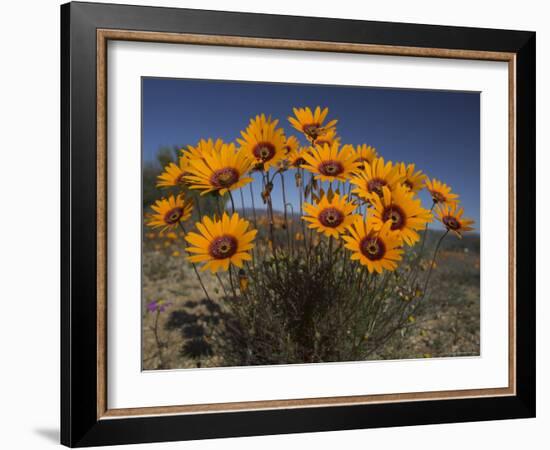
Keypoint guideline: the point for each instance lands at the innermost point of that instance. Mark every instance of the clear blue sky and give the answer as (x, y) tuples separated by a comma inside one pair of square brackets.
[(437, 130)]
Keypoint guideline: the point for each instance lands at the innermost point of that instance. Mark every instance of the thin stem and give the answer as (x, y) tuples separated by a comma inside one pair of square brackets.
[(198, 203), (291, 226), (242, 201), (218, 207), (195, 268), (232, 284), (311, 185), (270, 210), (284, 210), (253, 206), (302, 212), (221, 284), (432, 263), (420, 252), (232, 202)]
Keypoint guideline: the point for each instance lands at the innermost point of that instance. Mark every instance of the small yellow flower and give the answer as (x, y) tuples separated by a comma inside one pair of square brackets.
[(330, 163), (175, 253), (414, 181), (291, 144), (311, 123), (440, 192), (328, 137), (221, 171), (203, 147), (402, 210), (220, 243), (451, 217), (365, 154), (263, 142), (296, 157), (370, 181), (198, 152), (330, 217), (169, 212), (174, 174), (378, 250)]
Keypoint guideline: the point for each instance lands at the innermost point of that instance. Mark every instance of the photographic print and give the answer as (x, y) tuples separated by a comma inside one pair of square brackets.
[(293, 210), (297, 224)]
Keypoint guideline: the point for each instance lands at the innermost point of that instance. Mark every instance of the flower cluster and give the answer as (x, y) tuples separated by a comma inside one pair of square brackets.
[(354, 197)]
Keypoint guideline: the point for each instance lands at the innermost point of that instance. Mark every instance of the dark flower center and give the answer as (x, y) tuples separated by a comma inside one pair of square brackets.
[(408, 184), (451, 223), (331, 168), (264, 151), (376, 184), (312, 130), (224, 177), (396, 215), (331, 217), (373, 248), (438, 197), (362, 162), (223, 247), (173, 216), (298, 161)]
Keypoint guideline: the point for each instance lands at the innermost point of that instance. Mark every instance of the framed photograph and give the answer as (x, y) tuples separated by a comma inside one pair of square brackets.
[(276, 224)]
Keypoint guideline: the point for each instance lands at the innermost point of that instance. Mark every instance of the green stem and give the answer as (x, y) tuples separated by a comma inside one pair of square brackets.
[(232, 284), (242, 202), (421, 251), (195, 268), (270, 212), (284, 210), (432, 263), (232, 202), (218, 207), (198, 203), (303, 222), (221, 284), (253, 206)]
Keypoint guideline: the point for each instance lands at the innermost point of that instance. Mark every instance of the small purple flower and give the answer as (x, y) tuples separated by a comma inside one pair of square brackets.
[(158, 305)]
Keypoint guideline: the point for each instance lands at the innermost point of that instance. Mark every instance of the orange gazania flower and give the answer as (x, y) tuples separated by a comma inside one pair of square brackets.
[(451, 217), (169, 212), (220, 243), (440, 192), (263, 142), (311, 123), (330, 163)]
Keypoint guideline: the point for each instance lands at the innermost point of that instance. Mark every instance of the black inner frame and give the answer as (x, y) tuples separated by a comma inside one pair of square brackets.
[(79, 423)]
